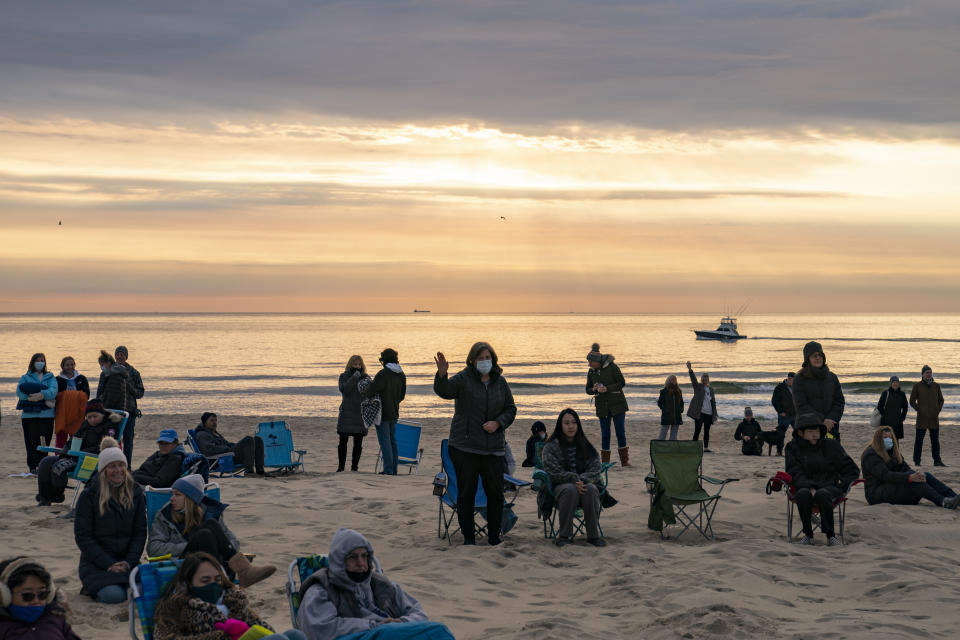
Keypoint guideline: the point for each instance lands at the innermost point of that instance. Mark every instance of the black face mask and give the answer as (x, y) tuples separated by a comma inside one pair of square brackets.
[(358, 577)]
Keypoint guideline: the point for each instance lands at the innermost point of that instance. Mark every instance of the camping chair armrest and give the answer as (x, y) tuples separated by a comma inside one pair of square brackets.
[(60, 450), (852, 485), (542, 478), (516, 481), (720, 482)]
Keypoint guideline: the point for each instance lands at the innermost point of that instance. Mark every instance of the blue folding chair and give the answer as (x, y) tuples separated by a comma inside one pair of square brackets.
[(147, 584), (278, 451), (409, 451), (448, 501), (221, 464), (298, 572), (157, 499)]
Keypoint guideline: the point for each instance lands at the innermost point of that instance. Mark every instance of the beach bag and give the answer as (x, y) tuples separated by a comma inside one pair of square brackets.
[(875, 418), (370, 408)]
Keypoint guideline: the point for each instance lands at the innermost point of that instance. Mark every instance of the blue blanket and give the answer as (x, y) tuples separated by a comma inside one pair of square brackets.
[(26, 405), (404, 631)]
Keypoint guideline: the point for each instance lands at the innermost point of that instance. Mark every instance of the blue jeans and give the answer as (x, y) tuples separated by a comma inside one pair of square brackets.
[(785, 421), (387, 437), (112, 594), (618, 421)]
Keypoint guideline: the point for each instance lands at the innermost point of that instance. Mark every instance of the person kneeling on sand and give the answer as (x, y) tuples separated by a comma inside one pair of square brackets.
[(888, 479), (192, 522), (753, 437), (821, 471), (248, 452), (201, 603), (350, 599), (31, 606)]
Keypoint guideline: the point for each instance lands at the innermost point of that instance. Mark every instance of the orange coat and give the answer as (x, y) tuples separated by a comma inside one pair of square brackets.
[(71, 407)]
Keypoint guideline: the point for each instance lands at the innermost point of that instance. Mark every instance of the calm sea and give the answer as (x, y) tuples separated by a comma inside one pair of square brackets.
[(267, 365)]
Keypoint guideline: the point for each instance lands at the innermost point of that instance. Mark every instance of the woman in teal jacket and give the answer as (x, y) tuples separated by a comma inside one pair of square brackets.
[(37, 393)]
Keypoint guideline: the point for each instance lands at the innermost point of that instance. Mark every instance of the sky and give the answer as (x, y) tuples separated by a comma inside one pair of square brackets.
[(479, 156)]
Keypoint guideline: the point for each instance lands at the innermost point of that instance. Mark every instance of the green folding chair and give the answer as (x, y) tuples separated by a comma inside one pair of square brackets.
[(675, 484)]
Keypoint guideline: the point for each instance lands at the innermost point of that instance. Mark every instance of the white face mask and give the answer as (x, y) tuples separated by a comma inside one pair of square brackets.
[(484, 366), (888, 443)]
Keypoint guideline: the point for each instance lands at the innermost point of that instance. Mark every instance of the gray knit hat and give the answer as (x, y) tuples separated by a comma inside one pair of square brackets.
[(595, 355), (190, 486)]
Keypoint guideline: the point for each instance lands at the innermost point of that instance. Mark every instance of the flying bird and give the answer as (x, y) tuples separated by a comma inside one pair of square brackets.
[(502, 218)]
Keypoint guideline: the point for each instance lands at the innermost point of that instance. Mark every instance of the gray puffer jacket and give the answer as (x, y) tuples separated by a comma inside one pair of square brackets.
[(166, 537), (476, 403)]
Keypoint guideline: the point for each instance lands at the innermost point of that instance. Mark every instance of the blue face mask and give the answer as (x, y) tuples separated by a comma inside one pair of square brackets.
[(888, 443), (25, 613), (209, 592), (484, 366), (39, 365)]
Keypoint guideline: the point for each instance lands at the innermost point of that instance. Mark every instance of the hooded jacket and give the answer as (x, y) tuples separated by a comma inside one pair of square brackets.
[(611, 402), (893, 407), (474, 404), (112, 390), (166, 536), (818, 392), (161, 471), (821, 465), (350, 418), (671, 407), (117, 535), (927, 401), (52, 624), (886, 481), (332, 605), (79, 380), (91, 436), (391, 384), (695, 408)]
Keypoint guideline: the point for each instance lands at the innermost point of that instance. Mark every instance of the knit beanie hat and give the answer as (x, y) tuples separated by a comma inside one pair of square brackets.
[(894, 379), (121, 349), (95, 406), (190, 486), (205, 416), (748, 411), (926, 368), (110, 455), (811, 348), (389, 355), (595, 355)]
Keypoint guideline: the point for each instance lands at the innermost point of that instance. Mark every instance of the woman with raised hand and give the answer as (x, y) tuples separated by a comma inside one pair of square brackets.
[(110, 527), (670, 402), (36, 395), (575, 474), (350, 419), (605, 383), (202, 604), (483, 410), (31, 606), (887, 478), (192, 522)]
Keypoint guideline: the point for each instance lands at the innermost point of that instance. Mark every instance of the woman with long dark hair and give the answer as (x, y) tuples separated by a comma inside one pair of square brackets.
[(573, 465), (671, 408), (483, 409), (37, 393)]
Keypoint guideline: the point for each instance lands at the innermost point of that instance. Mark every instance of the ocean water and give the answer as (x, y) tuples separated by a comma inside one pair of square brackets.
[(264, 365)]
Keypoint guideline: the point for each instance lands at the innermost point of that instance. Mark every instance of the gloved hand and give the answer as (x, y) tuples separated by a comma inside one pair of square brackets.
[(35, 397), (232, 627)]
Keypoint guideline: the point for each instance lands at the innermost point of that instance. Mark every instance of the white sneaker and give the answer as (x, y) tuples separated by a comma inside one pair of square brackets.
[(834, 541), (805, 539)]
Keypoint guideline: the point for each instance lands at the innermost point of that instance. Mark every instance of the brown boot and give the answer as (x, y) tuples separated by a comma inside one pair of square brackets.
[(247, 574), (624, 456), (604, 455)]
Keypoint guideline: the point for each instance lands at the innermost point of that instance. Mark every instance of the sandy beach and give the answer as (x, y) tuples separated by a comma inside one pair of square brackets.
[(895, 578)]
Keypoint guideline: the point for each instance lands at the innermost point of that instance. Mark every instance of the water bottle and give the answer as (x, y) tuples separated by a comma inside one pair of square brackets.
[(439, 484)]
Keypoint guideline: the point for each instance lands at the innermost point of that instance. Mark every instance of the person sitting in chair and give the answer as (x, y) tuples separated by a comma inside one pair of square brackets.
[(163, 468), (573, 465), (538, 433), (247, 453), (31, 605), (349, 598), (821, 471), (192, 522), (888, 479)]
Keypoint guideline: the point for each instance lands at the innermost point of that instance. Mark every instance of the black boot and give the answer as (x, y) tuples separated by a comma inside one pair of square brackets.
[(341, 456), (357, 450)]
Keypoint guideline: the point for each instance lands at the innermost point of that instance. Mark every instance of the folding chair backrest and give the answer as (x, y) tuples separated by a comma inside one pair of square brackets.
[(157, 499), (480, 502), (408, 441), (192, 441), (277, 444), (676, 464), (195, 463), (538, 454), (124, 416), (297, 573), (153, 579), (86, 467)]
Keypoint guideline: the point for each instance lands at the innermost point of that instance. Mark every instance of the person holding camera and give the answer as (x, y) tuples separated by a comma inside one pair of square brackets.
[(605, 383)]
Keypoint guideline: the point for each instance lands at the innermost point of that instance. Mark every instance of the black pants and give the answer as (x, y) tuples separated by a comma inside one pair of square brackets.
[(128, 437), (36, 432), (897, 430), (52, 475), (249, 453), (934, 445), (823, 500), (342, 450), (704, 421), (470, 467), (210, 538)]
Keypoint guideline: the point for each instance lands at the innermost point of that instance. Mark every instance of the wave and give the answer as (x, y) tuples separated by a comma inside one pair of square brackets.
[(807, 339)]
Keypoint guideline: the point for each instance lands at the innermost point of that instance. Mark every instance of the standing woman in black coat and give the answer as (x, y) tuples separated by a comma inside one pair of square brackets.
[(888, 478), (110, 527), (350, 420), (671, 408), (821, 471), (483, 409), (893, 407), (816, 390)]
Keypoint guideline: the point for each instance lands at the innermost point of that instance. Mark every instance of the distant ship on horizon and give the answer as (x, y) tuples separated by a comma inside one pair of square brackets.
[(421, 310)]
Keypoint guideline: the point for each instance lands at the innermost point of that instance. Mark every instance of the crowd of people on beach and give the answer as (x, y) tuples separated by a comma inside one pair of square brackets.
[(351, 598)]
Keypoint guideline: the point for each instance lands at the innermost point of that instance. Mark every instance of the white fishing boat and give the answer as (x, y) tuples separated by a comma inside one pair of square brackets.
[(726, 331)]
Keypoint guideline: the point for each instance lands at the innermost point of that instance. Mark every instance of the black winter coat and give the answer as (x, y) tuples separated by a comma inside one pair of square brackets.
[(113, 390), (783, 400), (886, 481), (671, 407), (392, 387), (824, 464), (611, 402), (474, 404), (161, 471), (752, 430), (81, 381), (211, 443), (893, 410), (117, 535), (91, 436), (821, 396), (52, 625), (349, 420)]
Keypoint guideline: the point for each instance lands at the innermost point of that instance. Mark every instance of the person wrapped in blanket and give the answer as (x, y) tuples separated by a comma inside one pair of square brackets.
[(350, 600)]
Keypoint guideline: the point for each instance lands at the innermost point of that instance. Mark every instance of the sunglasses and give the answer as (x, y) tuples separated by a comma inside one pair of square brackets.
[(28, 596)]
